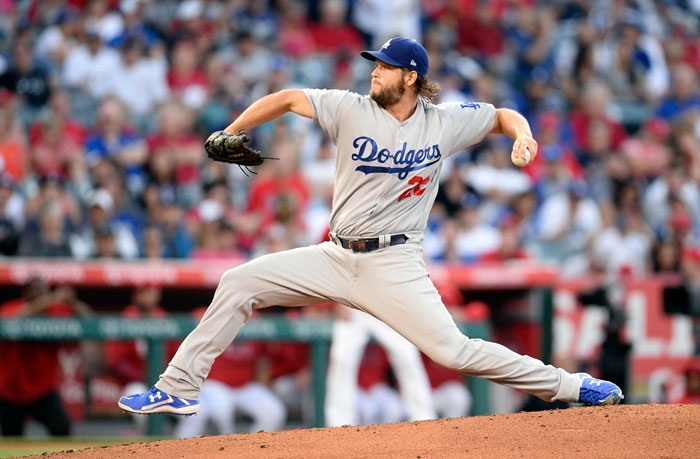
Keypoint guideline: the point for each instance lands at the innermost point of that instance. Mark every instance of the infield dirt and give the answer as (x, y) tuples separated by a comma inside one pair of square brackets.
[(627, 431)]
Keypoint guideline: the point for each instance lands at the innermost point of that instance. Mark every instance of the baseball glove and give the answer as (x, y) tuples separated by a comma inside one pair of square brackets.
[(229, 148)]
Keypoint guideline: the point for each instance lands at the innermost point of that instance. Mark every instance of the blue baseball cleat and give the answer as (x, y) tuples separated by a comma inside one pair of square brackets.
[(157, 401), (598, 391)]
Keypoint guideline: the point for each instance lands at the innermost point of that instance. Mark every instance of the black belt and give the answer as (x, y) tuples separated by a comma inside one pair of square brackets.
[(368, 245)]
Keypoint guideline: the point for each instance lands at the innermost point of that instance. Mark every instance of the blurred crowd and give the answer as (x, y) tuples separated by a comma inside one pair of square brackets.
[(105, 105)]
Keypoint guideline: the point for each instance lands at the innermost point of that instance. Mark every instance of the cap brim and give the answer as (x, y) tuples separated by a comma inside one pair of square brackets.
[(378, 55)]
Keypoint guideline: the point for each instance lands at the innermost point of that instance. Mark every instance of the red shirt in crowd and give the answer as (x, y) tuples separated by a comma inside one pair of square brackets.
[(287, 358), (126, 359), (266, 196), (185, 171), (30, 369), (688, 399), (439, 375), (336, 39), (237, 365), (181, 82), (581, 125), (374, 367)]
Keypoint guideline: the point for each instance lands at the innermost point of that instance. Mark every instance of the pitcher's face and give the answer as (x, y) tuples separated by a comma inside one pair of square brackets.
[(387, 84)]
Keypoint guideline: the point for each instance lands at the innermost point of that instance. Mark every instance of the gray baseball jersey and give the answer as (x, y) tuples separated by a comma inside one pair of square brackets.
[(387, 172)]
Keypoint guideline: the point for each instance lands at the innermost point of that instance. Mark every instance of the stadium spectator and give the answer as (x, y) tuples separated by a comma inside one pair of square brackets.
[(56, 141), (332, 34), (187, 81), (11, 216), (100, 16), (556, 164), (279, 193), (112, 138), (594, 105), (14, 156), (89, 68), (623, 246), (567, 221), (480, 33), (683, 95), (524, 211), (667, 256), (101, 225), (294, 37), (177, 241), (252, 62), (510, 247), (152, 247), (190, 22), (55, 42), (675, 185), (139, 82), (218, 239), (496, 181), (378, 21), (175, 153), (259, 19), (29, 382), (691, 374), (29, 82), (52, 219), (687, 144), (474, 237), (132, 12)]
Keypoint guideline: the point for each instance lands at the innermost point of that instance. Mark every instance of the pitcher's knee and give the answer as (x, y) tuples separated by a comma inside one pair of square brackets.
[(234, 292), (231, 279), (452, 354), (235, 284)]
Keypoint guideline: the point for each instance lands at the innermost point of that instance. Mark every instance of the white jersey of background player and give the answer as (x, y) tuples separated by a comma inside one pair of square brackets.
[(351, 333), (390, 146)]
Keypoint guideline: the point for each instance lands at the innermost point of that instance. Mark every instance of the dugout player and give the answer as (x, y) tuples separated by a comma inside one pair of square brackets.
[(31, 371), (390, 145)]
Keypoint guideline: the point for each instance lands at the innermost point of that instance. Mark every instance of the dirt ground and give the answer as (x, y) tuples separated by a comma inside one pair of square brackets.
[(634, 431)]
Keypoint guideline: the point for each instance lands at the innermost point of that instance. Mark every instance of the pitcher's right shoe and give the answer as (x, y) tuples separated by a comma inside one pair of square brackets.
[(598, 391), (157, 401)]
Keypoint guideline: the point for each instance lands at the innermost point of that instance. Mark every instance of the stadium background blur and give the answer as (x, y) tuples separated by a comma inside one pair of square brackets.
[(104, 106)]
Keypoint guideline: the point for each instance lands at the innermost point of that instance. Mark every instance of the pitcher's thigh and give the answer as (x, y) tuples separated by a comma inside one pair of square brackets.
[(291, 278), (413, 308)]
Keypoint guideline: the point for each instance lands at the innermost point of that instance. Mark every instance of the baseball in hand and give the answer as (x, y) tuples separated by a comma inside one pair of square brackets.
[(521, 160)]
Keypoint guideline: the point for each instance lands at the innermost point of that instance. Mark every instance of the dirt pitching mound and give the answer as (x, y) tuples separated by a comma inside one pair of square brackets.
[(633, 431)]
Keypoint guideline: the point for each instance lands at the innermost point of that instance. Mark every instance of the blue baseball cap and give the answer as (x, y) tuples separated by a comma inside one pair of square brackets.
[(401, 52)]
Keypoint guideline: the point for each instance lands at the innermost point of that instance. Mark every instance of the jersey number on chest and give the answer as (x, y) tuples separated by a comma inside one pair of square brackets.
[(416, 183)]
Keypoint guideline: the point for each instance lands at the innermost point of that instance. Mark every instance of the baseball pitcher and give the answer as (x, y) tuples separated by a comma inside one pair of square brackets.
[(390, 144)]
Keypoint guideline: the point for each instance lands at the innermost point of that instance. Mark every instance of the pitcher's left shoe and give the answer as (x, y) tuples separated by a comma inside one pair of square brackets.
[(157, 401), (598, 391)]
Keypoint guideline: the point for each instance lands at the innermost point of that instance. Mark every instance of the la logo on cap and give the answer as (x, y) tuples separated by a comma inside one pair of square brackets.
[(388, 42)]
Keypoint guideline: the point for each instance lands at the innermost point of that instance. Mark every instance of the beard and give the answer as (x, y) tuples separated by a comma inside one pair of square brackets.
[(389, 95)]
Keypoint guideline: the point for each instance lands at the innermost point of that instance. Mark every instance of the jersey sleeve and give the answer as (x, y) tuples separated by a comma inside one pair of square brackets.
[(468, 122), (330, 107)]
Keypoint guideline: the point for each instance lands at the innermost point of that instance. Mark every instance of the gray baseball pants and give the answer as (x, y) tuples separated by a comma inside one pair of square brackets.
[(391, 283)]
